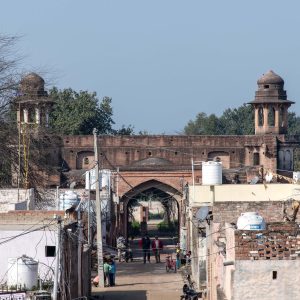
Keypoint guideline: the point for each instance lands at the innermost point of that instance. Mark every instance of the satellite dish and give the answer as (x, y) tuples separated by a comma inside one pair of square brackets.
[(269, 177), (202, 213), (254, 180)]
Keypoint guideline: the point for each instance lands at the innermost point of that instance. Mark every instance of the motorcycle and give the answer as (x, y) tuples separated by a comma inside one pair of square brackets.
[(189, 293), (128, 255)]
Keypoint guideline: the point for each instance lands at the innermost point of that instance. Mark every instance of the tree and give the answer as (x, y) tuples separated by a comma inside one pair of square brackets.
[(204, 125), (293, 124), (238, 121), (9, 74), (78, 113), (9, 79)]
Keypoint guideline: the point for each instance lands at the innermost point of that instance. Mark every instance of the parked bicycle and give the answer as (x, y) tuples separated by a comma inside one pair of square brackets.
[(170, 264)]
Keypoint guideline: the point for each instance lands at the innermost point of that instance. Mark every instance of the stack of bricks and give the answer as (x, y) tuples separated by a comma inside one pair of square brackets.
[(281, 241)]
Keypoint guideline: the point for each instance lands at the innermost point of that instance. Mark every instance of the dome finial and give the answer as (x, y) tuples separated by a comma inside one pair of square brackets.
[(270, 78)]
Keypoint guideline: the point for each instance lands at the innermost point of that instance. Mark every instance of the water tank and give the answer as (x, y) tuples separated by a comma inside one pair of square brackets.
[(104, 179), (251, 221), (67, 200), (22, 271), (211, 173)]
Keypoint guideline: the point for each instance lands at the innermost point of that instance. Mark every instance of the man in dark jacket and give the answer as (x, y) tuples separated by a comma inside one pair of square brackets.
[(146, 243)]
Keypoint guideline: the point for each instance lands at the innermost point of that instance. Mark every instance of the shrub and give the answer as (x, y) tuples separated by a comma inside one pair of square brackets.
[(165, 227), (134, 228)]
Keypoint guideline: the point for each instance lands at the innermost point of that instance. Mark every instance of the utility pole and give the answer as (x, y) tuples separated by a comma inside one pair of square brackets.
[(55, 286), (89, 209), (99, 216), (79, 253)]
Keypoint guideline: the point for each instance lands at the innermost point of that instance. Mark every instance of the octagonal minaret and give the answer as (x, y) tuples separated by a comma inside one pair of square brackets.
[(33, 104), (271, 105)]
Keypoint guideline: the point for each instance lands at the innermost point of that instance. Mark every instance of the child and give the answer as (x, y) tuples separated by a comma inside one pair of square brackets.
[(112, 272), (178, 257), (106, 269)]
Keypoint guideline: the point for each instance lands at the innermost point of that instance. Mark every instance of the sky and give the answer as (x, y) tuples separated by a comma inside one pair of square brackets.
[(161, 61)]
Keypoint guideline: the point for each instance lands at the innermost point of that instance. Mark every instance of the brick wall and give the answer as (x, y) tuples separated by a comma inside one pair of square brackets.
[(281, 241), (27, 216), (229, 212)]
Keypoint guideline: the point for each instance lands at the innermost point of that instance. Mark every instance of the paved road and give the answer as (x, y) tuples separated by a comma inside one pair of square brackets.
[(138, 281)]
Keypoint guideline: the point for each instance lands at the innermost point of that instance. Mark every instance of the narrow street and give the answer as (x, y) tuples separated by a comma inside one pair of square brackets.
[(138, 281)]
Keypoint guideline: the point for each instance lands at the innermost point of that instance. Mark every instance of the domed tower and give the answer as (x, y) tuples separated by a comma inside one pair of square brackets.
[(33, 103), (271, 105)]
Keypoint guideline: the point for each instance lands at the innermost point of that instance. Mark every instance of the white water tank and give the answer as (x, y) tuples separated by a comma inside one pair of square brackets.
[(211, 173), (104, 179), (251, 221), (67, 200), (22, 271)]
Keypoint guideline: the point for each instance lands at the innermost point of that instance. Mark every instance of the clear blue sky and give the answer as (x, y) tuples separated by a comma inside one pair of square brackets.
[(161, 61)]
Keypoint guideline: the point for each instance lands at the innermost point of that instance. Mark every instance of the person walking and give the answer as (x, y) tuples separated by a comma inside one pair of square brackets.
[(146, 243), (157, 247), (121, 246)]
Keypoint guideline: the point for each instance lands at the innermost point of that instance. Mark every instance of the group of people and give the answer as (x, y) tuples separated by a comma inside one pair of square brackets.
[(109, 272), (182, 259), (156, 245), (109, 266)]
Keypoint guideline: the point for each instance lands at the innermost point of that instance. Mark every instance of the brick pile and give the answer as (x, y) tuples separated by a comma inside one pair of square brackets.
[(281, 241)]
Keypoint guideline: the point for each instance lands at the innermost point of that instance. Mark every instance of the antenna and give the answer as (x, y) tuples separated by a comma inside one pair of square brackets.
[(202, 213)]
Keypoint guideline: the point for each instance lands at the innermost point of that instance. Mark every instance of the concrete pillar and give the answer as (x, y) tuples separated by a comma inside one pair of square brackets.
[(47, 117), (37, 115), (19, 118), (25, 114), (277, 117), (256, 118), (284, 118), (266, 120)]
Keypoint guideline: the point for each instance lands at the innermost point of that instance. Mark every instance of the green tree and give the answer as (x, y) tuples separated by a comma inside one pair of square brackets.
[(77, 113), (293, 124), (238, 121), (204, 125)]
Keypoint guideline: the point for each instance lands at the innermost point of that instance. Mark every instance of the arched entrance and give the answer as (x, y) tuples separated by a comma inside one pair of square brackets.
[(152, 206)]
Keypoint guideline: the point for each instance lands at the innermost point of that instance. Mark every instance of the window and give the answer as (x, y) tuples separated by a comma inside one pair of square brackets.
[(255, 159), (266, 86), (274, 275)]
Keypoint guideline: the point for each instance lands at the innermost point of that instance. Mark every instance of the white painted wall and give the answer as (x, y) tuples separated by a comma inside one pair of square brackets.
[(201, 194), (11, 199), (253, 280), (32, 244)]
